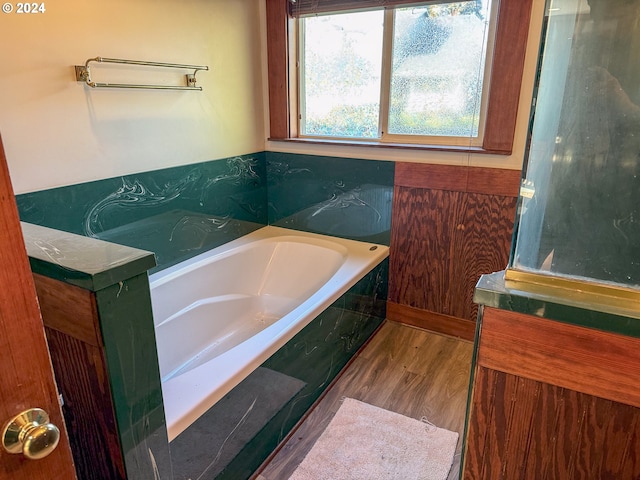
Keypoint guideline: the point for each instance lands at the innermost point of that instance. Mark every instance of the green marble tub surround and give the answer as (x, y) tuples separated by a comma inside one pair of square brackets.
[(175, 212), (342, 197), (492, 291), (306, 366), (142, 223), (115, 279), (126, 321)]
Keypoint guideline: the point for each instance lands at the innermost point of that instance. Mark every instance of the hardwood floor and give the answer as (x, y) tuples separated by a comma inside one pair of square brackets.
[(402, 369)]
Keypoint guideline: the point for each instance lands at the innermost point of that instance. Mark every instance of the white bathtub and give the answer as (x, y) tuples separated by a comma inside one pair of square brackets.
[(219, 315)]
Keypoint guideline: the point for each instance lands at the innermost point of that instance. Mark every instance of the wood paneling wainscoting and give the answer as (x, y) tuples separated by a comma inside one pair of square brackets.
[(524, 429), (71, 322), (450, 225), (552, 400)]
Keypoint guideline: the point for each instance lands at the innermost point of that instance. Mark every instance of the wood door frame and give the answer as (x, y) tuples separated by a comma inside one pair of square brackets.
[(26, 376)]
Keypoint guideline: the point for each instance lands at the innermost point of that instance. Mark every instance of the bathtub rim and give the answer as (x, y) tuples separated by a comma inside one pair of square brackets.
[(187, 395)]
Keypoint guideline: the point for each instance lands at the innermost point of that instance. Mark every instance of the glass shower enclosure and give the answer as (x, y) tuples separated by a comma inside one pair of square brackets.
[(579, 208)]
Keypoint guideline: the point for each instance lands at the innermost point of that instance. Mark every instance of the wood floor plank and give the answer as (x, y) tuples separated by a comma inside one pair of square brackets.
[(402, 369)]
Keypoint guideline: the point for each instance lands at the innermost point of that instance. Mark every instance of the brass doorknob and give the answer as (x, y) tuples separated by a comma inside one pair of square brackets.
[(31, 434)]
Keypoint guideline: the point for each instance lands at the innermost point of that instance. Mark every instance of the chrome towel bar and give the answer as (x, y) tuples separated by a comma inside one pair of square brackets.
[(83, 74)]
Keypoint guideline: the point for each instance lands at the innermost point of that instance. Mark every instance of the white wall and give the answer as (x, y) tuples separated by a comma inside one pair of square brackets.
[(513, 161), (57, 131)]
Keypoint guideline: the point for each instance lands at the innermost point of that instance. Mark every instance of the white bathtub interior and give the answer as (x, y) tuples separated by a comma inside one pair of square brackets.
[(219, 315), (248, 289)]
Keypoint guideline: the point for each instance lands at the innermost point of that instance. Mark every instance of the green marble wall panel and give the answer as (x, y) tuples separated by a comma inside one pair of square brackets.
[(126, 322), (257, 415), (181, 211), (176, 212), (343, 197)]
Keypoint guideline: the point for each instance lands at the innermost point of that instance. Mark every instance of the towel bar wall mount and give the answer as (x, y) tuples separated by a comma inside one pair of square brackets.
[(83, 74)]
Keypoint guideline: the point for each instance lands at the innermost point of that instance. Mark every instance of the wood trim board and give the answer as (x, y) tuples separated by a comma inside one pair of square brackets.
[(586, 360), (458, 178), (68, 309), (432, 321)]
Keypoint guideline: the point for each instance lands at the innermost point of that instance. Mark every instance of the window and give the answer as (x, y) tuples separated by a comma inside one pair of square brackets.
[(369, 76), (425, 86)]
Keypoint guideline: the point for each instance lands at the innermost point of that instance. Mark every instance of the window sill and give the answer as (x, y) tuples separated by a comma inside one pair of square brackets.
[(389, 145)]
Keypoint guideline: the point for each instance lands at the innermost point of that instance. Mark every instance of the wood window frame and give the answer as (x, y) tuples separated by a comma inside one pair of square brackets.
[(512, 30)]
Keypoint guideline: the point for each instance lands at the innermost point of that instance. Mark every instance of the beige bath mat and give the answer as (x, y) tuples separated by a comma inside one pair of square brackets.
[(363, 442)]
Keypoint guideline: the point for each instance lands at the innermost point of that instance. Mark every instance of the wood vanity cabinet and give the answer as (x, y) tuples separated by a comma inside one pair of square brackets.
[(552, 400)]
